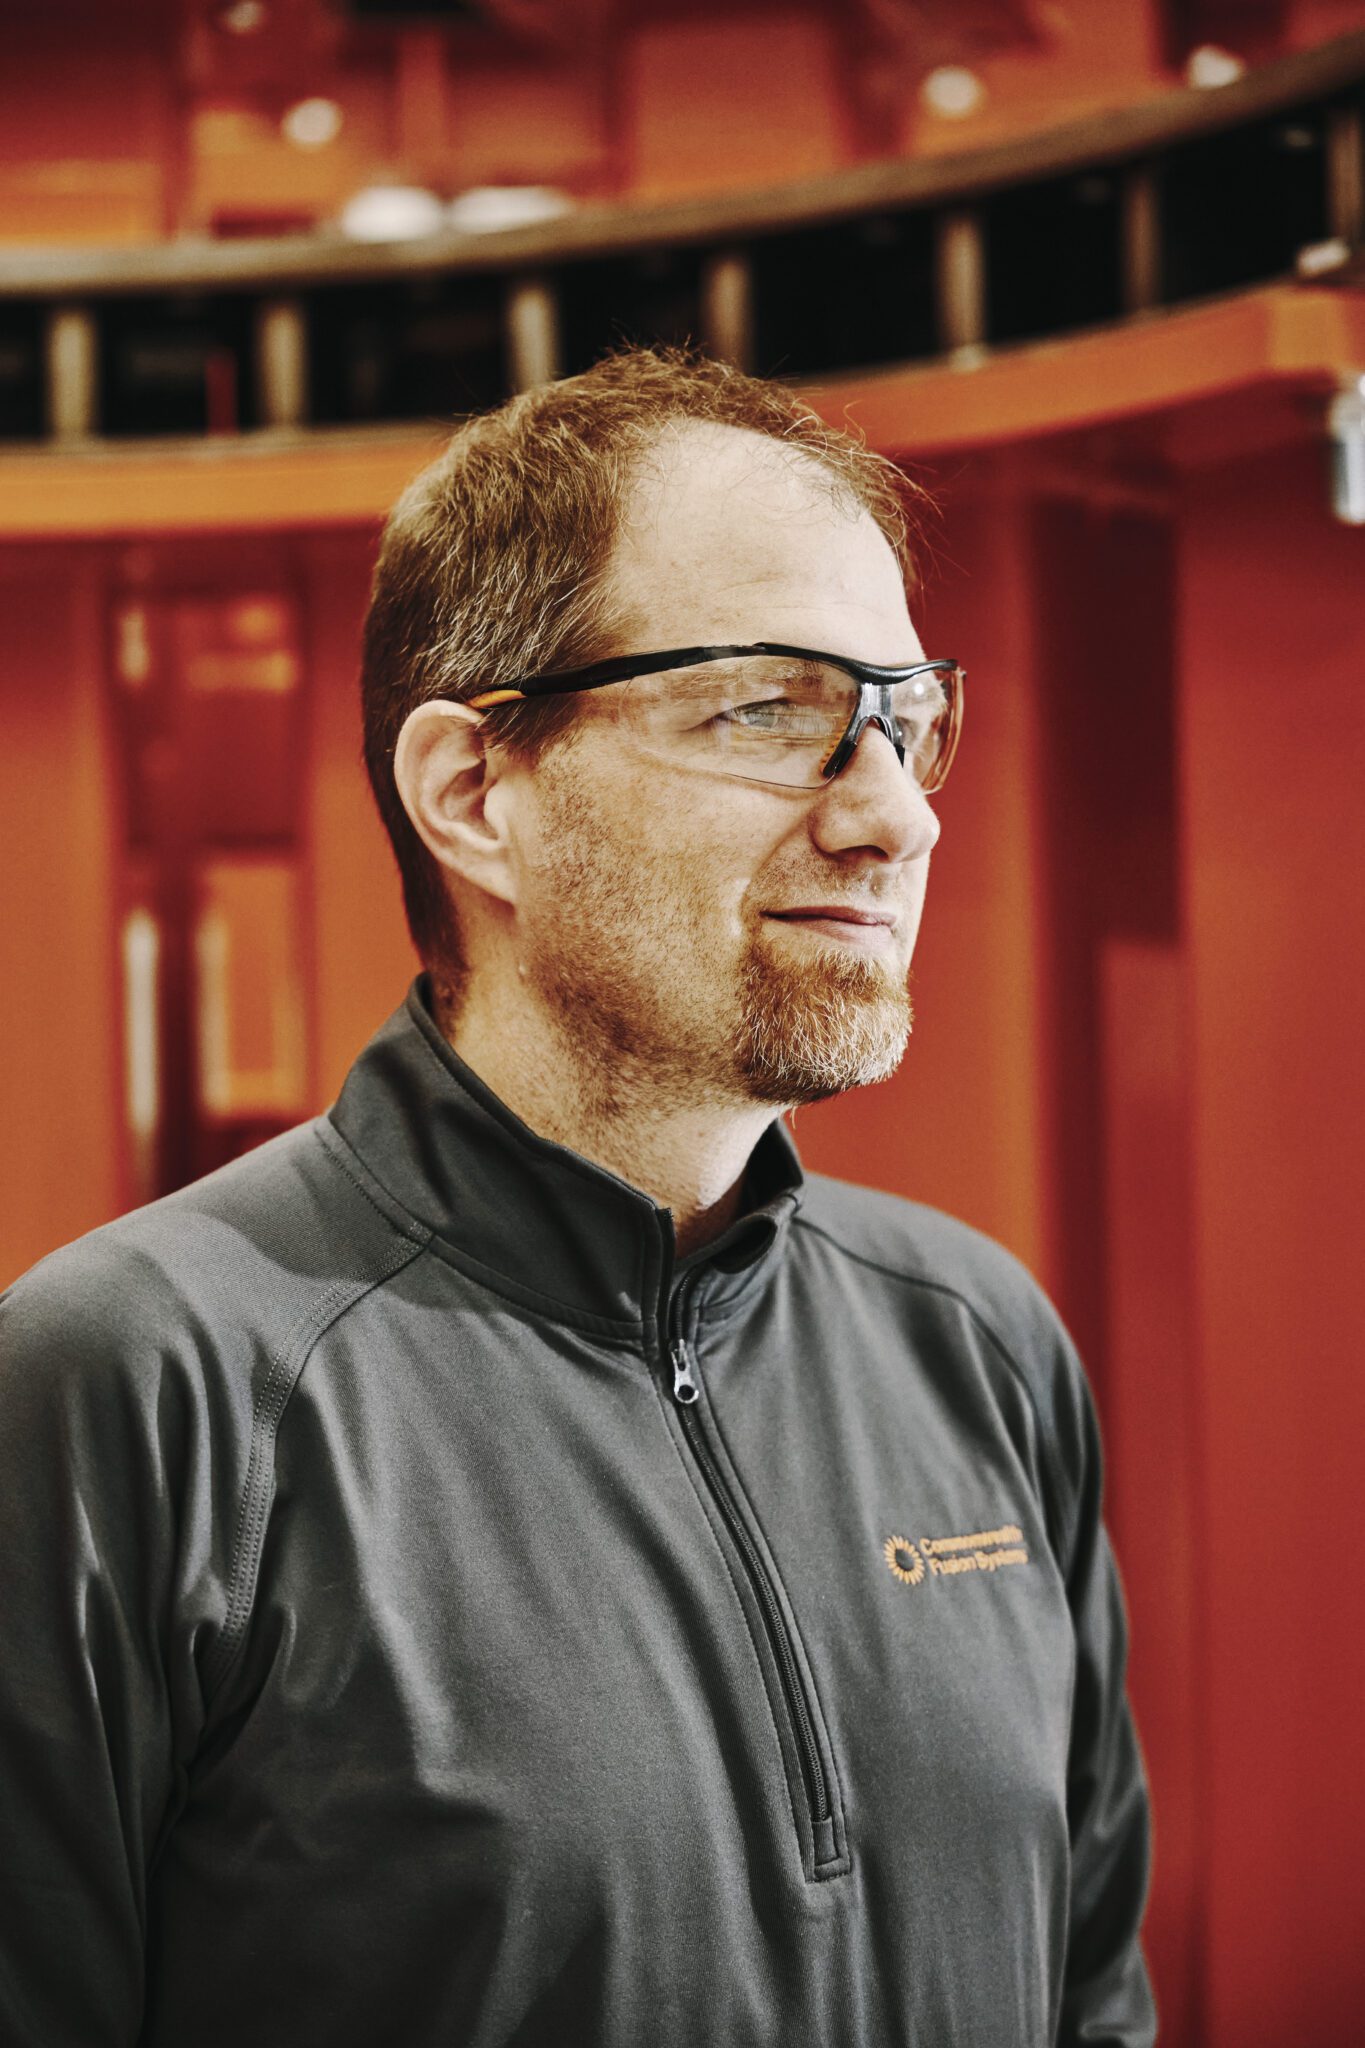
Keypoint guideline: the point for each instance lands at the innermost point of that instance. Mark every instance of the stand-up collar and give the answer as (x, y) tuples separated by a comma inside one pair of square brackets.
[(532, 1214)]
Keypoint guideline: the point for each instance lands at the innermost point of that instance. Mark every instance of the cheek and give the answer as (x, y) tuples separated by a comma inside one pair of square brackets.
[(724, 877), (619, 898), (692, 869), (653, 848)]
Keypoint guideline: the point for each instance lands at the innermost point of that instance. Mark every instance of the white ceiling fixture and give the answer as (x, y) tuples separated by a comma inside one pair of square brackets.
[(312, 124), (392, 213), (1208, 67), (243, 17), (485, 209), (952, 91)]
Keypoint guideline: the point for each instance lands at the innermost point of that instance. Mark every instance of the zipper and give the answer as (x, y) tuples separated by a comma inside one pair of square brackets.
[(686, 1393)]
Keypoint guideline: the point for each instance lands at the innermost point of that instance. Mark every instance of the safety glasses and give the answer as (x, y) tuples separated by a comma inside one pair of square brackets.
[(791, 716)]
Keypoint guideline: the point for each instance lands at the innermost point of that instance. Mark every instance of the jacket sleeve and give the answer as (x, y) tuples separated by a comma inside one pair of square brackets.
[(1107, 1996), (90, 1496)]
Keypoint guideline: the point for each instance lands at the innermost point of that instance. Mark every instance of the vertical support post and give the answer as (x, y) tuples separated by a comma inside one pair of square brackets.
[(1346, 432), (727, 306), (1141, 230), (72, 373), (1346, 173), (532, 332), (960, 281), (282, 362)]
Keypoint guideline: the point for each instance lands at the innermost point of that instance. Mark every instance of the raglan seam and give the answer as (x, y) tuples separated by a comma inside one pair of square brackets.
[(1063, 1487), (287, 1362)]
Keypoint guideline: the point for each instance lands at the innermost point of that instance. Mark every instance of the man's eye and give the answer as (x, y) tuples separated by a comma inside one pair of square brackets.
[(769, 714), (780, 719)]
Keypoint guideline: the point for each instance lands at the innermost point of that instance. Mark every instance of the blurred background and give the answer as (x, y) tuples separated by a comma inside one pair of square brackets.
[(1093, 270)]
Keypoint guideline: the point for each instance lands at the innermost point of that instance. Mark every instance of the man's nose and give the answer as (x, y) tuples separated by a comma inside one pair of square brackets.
[(874, 802)]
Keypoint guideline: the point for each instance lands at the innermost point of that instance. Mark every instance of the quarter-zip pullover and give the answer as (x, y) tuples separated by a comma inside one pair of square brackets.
[(436, 1615)]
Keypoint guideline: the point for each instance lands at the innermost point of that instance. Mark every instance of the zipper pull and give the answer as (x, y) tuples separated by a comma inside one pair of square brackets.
[(685, 1389)]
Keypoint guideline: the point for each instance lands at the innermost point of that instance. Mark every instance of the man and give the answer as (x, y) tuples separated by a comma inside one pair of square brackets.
[(510, 1561)]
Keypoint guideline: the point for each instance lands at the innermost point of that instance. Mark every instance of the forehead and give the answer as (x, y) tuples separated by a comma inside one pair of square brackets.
[(727, 535)]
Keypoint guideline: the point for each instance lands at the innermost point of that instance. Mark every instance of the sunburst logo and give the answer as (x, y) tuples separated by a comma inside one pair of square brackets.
[(949, 1557), (903, 1559)]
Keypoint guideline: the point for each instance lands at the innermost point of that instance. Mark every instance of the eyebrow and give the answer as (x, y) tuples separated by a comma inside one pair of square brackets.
[(736, 665)]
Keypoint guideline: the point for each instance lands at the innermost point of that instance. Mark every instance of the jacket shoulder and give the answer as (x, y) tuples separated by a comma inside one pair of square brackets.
[(976, 1280), (253, 1248), (926, 1247)]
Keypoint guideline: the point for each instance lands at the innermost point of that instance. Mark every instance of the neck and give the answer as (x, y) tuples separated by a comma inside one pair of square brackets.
[(687, 1151)]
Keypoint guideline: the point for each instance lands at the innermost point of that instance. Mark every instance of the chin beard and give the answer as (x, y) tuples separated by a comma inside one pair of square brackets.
[(810, 1032)]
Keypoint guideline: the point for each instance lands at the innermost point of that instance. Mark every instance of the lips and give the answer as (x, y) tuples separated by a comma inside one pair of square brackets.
[(835, 913), (847, 925)]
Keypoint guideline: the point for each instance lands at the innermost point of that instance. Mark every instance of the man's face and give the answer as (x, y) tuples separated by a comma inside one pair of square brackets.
[(668, 916)]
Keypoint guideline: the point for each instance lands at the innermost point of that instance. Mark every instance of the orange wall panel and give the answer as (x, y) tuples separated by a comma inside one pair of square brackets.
[(713, 102), (105, 200), (513, 124), (60, 1061), (1155, 1442), (112, 72), (1273, 737), (241, 164), (362, 960), (1090, 56), (1310, 22), (89, 128), (962, 1124)]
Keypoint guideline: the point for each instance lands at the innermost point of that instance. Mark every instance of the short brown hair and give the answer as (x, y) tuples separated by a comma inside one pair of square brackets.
[(493, 561)]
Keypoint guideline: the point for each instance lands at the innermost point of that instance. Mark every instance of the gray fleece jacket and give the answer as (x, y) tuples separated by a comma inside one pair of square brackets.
[(435, 1615)]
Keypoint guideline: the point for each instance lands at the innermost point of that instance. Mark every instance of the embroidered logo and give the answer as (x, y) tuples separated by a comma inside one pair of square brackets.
[(904, 1560), (946, 1557)]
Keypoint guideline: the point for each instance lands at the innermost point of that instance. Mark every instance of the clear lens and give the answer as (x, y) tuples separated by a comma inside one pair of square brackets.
[(766, 718), (924, 709)]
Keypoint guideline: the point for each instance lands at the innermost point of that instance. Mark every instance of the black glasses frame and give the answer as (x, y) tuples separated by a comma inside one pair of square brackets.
[(872, 707)]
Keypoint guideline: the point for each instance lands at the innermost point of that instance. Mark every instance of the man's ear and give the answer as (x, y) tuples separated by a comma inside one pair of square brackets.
[(450, 788)]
